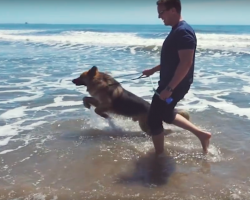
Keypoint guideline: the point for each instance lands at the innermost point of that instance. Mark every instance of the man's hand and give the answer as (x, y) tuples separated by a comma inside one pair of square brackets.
[(165, 94), (148, 72)]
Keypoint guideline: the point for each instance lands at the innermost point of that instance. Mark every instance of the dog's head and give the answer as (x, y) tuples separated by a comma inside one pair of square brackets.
[(86, 77)]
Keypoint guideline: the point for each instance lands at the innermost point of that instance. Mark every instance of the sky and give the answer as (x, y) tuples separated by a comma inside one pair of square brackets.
[(197, 12)]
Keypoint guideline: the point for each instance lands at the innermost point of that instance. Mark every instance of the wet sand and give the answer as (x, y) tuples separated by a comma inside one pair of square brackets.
[(71, 160)]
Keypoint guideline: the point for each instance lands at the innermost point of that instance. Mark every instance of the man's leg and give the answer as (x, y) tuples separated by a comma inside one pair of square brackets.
[(158, 141), (203, 136), (180, 121), (155, 124)]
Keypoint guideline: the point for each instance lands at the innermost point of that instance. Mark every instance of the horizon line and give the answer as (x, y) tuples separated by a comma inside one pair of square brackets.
[(115, 24)]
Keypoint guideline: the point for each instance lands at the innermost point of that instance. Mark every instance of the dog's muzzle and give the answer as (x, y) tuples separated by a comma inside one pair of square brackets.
[(77, 82)]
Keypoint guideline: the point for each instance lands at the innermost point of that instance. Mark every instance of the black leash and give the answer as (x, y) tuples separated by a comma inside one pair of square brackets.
[(126, 75), (142, 76)]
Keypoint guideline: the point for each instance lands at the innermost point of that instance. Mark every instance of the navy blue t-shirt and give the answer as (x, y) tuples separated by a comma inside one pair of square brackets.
[(182, 36)]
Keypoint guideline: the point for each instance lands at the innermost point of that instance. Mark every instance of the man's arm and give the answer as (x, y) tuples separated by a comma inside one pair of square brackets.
[(186, 61), (156, 68), (186, 43)]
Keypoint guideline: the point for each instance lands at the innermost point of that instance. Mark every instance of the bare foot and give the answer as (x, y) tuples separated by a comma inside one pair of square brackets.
[(160, 155), (204, 137)]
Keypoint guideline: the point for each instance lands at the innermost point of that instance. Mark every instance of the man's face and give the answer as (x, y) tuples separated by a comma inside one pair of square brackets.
[(164, 14)]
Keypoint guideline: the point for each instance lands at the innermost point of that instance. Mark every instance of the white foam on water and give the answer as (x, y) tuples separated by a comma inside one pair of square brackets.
[(114, 124), (12, 91), (96, 121), (58, 102), (69, 110), (208, 81), (40, 73), (211, 93), (5, 141), (246, 89), (228, 107), (11, 150), (8, 130), (16, 32), (37, 87), (30, 81), (203, 104), (64, 83), (33, 125), (132, 50), (24, 98), (240, 42), (243, 76), (192, 103), (126, 72), (14, 113), (20, 116)]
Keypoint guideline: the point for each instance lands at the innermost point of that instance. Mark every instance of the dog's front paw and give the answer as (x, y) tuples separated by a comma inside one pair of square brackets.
[(106, 116), (85, 103), (135, 119)]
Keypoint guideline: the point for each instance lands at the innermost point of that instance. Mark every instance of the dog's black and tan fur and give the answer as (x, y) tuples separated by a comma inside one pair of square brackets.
[(108, 96)]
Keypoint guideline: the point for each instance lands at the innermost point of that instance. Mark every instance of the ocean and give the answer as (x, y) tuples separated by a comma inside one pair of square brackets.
[(51, 147)]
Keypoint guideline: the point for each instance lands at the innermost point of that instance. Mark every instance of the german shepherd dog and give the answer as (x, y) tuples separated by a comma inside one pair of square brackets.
[(108, 96)]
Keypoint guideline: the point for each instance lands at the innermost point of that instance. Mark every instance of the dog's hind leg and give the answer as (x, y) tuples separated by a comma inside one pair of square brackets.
[(135, 118), (88, 101), (143, 124), (183, 113), (101, 109)]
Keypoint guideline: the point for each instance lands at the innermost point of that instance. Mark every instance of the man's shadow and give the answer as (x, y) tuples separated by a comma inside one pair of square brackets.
[(150, 171)]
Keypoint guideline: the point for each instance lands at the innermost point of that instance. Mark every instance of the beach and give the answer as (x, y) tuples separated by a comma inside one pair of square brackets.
[(51, 147)]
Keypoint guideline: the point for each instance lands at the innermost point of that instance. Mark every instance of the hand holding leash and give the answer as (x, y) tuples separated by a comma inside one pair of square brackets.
[(168, 100), (148, 72)]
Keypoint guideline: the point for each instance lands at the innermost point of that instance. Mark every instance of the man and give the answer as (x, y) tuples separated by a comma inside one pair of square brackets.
[(176, 75)]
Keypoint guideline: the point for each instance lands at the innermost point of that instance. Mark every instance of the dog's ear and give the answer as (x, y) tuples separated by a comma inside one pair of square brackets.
[(92, 72)]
